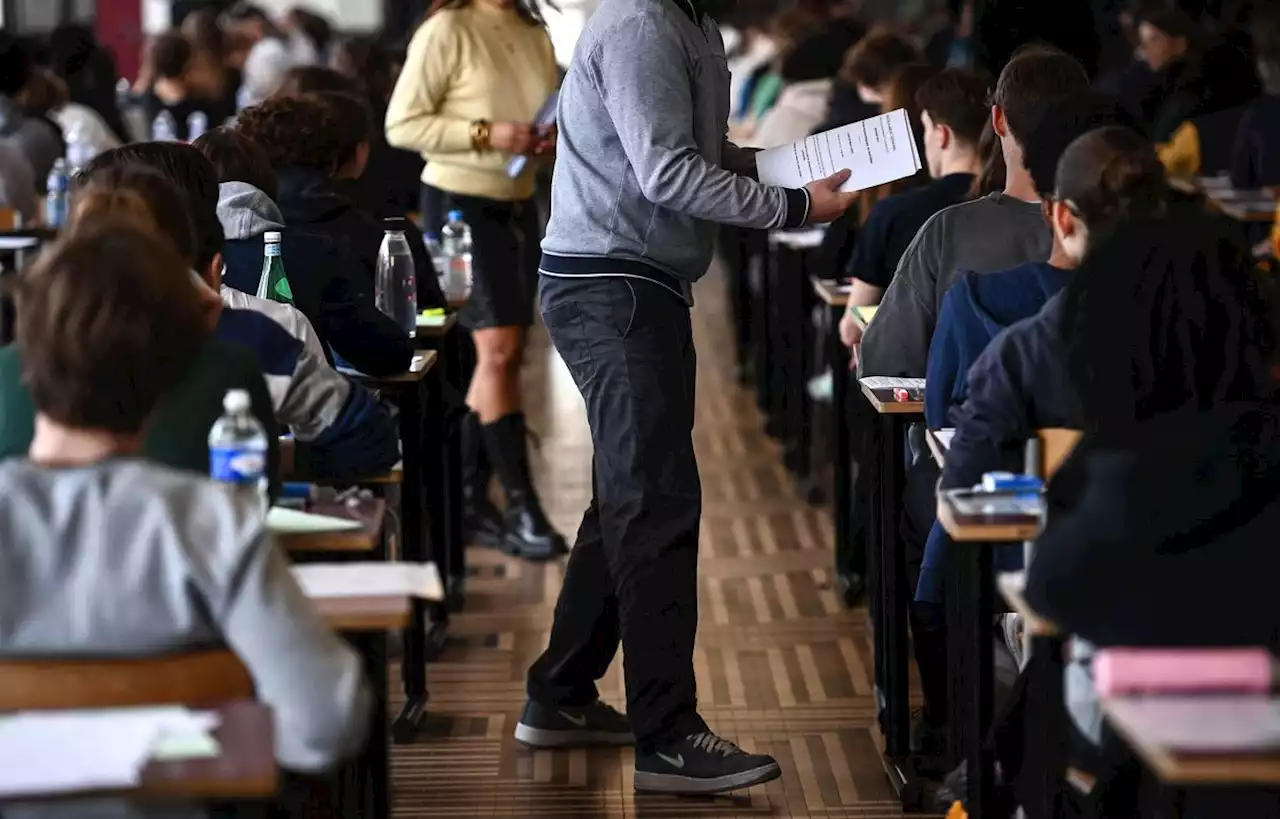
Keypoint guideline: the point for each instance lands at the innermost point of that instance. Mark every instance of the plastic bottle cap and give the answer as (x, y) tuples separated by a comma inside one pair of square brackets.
[(236, 401), (272, 237), (455, 216)]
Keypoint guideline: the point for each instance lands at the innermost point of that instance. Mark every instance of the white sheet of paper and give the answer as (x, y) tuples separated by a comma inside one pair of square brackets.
[(15, 243), (884, 382), (372, 579), (52, 752), (944, 437), (283, 521), (876, 150), (1207, 724), (414, 366)]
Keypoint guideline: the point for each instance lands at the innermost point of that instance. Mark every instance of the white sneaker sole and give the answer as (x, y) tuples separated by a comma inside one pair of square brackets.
[(543, 738), (647, 782)]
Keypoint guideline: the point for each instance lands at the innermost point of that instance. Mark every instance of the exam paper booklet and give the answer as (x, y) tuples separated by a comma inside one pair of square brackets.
[(876, 151), (372, 579)]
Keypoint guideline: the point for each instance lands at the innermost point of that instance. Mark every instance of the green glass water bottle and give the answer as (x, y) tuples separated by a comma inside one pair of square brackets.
[(274, 284)]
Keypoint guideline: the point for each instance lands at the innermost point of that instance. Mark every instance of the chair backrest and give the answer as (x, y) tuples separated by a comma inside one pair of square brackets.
[(8, 218), (199, 679), (1055, 445)]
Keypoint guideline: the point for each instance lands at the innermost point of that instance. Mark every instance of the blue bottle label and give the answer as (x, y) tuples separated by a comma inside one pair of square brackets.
[(238, 466)]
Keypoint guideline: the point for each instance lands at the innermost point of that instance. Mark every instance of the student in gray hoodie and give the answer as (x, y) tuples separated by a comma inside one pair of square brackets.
[(643, 173)]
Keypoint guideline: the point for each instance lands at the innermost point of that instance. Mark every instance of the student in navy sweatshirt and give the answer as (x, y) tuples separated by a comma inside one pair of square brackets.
[(977, 307)]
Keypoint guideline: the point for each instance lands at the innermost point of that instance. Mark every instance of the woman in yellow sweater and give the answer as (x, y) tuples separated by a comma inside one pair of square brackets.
[(476, 75)]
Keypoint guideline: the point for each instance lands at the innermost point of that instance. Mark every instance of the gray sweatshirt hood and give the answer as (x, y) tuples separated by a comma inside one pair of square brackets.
[(246, 212)]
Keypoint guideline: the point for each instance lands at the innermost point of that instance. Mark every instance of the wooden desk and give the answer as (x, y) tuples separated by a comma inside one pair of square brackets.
[(245, 767), (983, 532), (368, 513), (1178, 768), (386, 613), (890, 595), (436, 328), (1242, 205), (939, 441), (423, 362), (1012, 586), (831, 292)]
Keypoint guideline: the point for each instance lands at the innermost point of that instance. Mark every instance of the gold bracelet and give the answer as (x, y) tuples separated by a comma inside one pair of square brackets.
[(480, 135)]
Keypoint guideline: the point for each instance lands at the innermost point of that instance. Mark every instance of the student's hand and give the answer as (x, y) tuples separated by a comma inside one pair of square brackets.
[(546, 144), (826, 202), (512, 137), (850, 331)]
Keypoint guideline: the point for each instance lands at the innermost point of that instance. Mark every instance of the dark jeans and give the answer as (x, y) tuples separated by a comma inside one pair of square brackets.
[(633, 572)]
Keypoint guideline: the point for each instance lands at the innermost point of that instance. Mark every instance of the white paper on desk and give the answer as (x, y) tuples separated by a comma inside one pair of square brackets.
[(53, 752), (414, 366), (884, 382), (877, 150), (372, 579), (1205, 724), (944, 437), (282, 521)]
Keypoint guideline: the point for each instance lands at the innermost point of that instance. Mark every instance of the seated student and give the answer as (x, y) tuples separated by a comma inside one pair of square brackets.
[(112, 555), (169, 59), (977, 307), (1255, 162), (178, 431), (321, 272), (991, 233), (39, 141), (953, 111), (1162, 522), (1107, 176), (349, 434), (319, 144)]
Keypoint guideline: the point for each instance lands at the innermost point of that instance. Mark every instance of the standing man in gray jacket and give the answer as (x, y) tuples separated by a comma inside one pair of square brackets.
[(643, 174)]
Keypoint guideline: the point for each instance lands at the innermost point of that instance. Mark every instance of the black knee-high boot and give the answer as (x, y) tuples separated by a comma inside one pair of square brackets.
[(482, 522), (528, 533)]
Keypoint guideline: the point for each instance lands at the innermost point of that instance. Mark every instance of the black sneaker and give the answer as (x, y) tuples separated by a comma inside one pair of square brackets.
[(557, 726), (702, 764)]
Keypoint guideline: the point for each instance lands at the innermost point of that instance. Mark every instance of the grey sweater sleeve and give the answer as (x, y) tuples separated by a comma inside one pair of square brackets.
[(310, 678), (896, 343), (642, 76)]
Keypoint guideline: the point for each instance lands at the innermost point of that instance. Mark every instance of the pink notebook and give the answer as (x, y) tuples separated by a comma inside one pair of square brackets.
[(1123, 671)]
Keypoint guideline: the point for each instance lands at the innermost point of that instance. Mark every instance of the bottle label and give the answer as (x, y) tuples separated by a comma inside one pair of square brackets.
[(237, 466), (273, 250)]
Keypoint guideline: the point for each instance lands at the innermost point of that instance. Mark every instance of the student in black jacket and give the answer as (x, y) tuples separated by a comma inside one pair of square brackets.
[(322, 272)]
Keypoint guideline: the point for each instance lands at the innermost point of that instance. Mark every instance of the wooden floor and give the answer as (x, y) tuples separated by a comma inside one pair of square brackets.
[(782, 667)]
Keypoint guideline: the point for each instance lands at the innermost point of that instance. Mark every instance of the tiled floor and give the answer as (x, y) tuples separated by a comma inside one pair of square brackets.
[(782, 666)]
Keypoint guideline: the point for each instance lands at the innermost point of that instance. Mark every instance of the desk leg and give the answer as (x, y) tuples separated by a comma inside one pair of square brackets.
[(1048, 728), (851, 584), (413, 669), (436, 457), (457, 579), (974, 713)]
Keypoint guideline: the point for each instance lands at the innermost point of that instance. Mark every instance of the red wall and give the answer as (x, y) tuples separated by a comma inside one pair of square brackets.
[(119, 28)]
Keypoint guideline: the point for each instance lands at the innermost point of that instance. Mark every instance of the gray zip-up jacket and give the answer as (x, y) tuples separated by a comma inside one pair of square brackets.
[(643, 169)]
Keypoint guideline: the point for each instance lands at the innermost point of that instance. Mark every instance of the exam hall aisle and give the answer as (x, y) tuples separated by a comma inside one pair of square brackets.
[(782, 666)]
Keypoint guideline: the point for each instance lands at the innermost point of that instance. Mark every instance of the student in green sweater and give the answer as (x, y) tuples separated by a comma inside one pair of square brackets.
[(178, 431)]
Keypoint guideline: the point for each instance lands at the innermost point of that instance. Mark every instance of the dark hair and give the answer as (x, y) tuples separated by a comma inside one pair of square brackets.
[(365, 61), (143, 197), (15, 64), (1264, 30), (247, 11), (994, 174), (1110, 175), (1162, 315), (1060, 125), (903, 87), (1032, 82), (71, 47), (874, 59), (314, 79), (169, 56), (1172, 21), (957, 98), (317, 131), (528, 10), (187, 170), (44, 93), (237, 158), (109, 323), (202, 27), (314, 27)]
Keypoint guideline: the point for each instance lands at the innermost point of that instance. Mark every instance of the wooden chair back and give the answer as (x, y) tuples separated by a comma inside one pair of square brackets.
[(8, 218), (1055, 445), (198, 679)]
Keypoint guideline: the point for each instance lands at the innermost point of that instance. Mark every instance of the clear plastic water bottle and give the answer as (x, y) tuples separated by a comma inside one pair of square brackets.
[(396, 288), (455, 240), (163, 128), (197, 124), (438, 262), (238, 448), (80, 149), (56, 202)]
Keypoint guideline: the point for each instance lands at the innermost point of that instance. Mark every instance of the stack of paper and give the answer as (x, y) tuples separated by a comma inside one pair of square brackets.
[(54, 752), (1206, 724), (884, 382), (282, 521), (374, 579)]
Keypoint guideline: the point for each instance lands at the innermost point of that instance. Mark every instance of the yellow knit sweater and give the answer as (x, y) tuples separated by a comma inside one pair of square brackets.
[(465, 64)]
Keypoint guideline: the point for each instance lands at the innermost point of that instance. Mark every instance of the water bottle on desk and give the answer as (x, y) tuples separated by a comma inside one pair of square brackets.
[(396, 284), (238, 449), (163, 128), (80, 150), (438, 262), (455, 240), (197, 124), (56, 202), (273, 284)]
